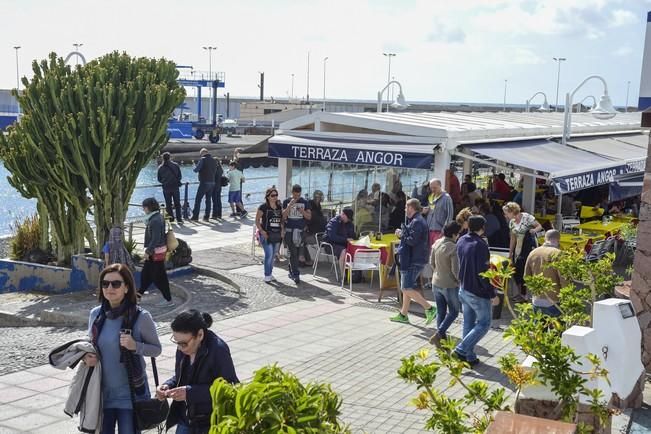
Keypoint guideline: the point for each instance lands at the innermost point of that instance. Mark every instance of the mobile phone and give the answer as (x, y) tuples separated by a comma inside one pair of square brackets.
[(125, 331)]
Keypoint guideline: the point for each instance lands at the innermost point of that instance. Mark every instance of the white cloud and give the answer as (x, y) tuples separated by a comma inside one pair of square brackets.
[(623, 51), (442, 33), (621, 17), (525, 56)]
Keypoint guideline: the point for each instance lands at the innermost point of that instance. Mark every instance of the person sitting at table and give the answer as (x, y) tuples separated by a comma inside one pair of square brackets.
[(492, 226), (501, 189), (339, 232), (539, 262), (397, 217), (523, 227)]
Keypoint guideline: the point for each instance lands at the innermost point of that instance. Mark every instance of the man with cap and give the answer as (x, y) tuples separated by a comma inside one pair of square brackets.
[(339, 231), (205, 168)]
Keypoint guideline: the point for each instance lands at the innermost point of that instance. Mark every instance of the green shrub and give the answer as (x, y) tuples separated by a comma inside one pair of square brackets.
[(26, 237), (275, 402)]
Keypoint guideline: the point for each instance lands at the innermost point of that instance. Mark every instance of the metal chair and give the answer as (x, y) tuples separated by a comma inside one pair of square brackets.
[(325, 248), (600, 248), (570, 223), (364, 260)]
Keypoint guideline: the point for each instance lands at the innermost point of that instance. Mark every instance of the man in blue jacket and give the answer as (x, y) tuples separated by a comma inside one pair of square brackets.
[(413, 253), (339, 231), (475, 292)]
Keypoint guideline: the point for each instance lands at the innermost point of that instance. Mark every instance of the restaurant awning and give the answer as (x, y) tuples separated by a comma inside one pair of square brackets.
[(350, 151), (569, 168), (625, 186), (610, 147)]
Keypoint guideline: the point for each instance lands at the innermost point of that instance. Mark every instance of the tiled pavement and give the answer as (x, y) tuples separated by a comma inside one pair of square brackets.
[(317, 331)]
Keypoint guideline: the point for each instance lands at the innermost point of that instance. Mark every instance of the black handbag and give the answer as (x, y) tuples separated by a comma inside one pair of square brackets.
[(147, 413)]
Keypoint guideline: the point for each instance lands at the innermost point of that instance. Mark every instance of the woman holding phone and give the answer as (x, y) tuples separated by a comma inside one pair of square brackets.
[(123, 334), (201, 357)]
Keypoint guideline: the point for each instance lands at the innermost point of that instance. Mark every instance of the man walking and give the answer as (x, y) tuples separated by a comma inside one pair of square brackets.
[(235, 180), (296, 213), (169, 175), (217, 192), (206, 168), (538, 263), (439, 211), (475, 292), (413, 254)]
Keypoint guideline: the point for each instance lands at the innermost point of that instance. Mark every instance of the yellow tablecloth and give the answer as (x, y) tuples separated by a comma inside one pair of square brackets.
[(600, 228), (574, 240)]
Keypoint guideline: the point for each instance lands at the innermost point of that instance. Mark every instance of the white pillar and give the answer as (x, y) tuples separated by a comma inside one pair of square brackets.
[(442, 162), (467, 167), (284, 177), (529, 193)]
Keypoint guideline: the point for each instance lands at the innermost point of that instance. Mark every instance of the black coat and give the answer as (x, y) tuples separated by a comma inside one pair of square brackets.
[(213, 360), (169, 174)]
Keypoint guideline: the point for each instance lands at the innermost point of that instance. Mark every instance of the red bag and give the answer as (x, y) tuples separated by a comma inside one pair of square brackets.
[(159, 254)]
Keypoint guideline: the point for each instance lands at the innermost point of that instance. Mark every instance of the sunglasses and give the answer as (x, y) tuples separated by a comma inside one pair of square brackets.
[(181, 344), (114, 283), (273, 195)]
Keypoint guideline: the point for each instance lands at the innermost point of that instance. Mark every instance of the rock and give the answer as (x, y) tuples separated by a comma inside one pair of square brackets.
[(644, 319)]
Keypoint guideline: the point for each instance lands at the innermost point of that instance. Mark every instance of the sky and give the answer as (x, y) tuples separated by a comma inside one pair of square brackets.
[(460, 51)]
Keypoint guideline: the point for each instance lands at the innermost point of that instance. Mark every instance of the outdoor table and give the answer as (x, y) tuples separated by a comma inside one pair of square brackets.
[(549, 218), (386, 248), (624, 218), (569, 241), (601, 228)]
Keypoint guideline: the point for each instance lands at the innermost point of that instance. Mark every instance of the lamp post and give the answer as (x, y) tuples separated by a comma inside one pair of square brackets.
[(325, 59), (628, 87), (594, 103), (558, 77), (77, 45), (17, 47), (545, 105), (603, 110), (504, 101), (389, 56), (209, 49), (292, 94), (399, 104)]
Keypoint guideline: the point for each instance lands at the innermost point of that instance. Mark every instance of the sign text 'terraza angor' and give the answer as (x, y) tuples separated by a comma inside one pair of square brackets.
[(342, 155), (568, 184)]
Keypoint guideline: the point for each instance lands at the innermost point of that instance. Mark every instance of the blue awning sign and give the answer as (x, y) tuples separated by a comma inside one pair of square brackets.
[(594, 178)]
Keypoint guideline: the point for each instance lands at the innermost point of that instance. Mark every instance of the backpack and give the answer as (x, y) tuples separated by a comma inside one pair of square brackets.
[(182, 255)]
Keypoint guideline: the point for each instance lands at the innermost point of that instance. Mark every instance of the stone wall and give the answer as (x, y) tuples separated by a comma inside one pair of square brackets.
[(641, 279)]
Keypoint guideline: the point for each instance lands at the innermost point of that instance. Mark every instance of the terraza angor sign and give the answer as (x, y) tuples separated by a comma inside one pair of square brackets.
[(571, 183), (351, 155)]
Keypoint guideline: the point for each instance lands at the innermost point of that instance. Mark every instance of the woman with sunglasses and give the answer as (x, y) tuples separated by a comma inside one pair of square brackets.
[(268, 220), (123, 334), (201, 358)]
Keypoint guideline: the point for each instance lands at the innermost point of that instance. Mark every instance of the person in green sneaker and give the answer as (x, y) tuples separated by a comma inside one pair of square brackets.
[(413, 254)]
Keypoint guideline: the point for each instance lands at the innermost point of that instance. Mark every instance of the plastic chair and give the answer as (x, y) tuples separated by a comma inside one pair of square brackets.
[(325, 248), (364, 260), (600, 248), (570, 223)]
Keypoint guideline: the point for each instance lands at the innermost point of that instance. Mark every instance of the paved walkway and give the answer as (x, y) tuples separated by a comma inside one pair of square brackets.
[(315, 330)]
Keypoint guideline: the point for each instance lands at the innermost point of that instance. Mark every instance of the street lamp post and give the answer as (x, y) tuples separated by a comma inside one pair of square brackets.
[(628, 87), (325, 59), (579, 105), (209, 49), (77, 45), (389, 56), (545, 105), (292, 94), (399, 104), (558, 77), (17, 47), (504, 101)]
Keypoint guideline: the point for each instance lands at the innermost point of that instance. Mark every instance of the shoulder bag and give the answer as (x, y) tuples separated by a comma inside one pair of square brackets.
[(147, 413)]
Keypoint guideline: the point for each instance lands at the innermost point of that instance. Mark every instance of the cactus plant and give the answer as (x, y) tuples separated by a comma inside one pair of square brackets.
[(84, 136)]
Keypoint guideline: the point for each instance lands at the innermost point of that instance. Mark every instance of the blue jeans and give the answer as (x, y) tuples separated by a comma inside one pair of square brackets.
[(549, 311), (447, 306), (270, 250), (477, 315), (124, 419), (205, 189)]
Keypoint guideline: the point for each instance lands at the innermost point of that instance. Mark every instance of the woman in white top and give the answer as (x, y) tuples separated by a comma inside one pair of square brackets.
[(523, 228)]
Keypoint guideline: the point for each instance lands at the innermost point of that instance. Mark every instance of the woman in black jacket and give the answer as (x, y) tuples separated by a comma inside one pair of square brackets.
[(153, 269), (201, 357)]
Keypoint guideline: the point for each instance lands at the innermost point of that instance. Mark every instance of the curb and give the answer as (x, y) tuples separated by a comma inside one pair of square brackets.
[(214, 274), (50, 318)]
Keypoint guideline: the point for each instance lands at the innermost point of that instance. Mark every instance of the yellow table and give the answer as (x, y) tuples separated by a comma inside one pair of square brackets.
[(569, 241), (549, 218), (624, 218), (600, 228)]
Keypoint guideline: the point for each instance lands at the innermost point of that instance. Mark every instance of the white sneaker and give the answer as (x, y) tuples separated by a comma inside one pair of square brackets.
[(273, 279), (268, 279)]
